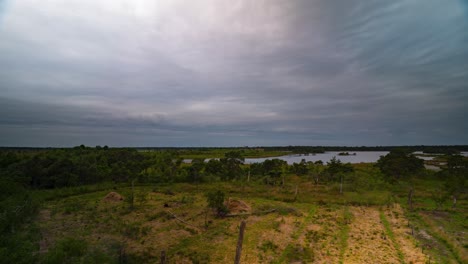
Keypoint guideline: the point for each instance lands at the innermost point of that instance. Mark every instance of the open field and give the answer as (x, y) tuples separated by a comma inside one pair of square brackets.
[(320, 226)]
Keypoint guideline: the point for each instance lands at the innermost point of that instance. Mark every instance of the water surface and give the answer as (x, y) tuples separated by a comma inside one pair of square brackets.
[(361, 156)]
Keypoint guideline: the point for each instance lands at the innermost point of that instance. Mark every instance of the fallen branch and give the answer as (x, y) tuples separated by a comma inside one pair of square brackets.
[(265, 212), (181, 220), (254, 213), (234, 215)]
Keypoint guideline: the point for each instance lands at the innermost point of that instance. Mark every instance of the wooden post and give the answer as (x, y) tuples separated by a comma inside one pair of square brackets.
[(410, 199), (133, 195), (295, 193), (163, 257), (239, 242), (206, 217), (341, 185), (122, 254)]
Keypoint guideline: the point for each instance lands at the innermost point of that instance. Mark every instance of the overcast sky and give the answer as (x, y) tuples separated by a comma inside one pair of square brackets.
[(233, 73)]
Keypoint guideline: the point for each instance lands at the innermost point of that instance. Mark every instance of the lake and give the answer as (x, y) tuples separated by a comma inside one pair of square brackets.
[(361, 156)]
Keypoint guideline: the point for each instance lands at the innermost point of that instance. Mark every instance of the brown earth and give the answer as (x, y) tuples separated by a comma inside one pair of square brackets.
[(237, 206), (113, 197)]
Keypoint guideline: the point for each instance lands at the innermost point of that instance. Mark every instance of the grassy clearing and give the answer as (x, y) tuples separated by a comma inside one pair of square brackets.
[(151, 225), (321, 226)]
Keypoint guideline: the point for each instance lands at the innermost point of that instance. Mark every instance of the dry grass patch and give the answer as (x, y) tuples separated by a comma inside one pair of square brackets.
[(367, 242)]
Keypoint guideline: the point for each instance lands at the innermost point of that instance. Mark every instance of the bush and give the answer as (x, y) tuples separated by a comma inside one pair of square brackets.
[(215, 201)]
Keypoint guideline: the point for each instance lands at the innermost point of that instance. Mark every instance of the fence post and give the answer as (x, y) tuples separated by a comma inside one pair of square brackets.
[(163, 257), (239, 242), (295, 193)]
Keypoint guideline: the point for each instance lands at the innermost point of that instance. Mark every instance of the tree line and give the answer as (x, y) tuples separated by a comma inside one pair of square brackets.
[(81, 165)]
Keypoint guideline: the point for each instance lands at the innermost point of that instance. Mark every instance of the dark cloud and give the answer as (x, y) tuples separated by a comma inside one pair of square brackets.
[(177, 73)]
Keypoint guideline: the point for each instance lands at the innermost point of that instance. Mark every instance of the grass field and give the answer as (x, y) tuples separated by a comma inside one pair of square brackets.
[(319, 226)]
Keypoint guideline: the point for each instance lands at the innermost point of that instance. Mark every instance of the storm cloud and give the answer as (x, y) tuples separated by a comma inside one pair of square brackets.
[(233, 73)]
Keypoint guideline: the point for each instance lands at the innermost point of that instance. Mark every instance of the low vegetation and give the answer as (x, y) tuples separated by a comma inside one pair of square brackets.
[(101, 205)]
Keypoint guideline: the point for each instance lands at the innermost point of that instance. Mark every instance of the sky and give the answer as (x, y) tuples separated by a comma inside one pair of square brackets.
[(233, 72)]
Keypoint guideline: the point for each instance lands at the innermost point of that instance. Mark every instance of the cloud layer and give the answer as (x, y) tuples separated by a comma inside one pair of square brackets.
[(233, 73)]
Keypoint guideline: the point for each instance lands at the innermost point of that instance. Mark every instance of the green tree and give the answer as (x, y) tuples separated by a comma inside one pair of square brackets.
[(314, 170), (231, 163), (274, 170), (215, 168), (337, 170), (400, 164), (196, 170), (300, 168)]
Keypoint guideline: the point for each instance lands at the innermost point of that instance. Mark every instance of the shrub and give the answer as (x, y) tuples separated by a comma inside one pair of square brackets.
[(215, 201)]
